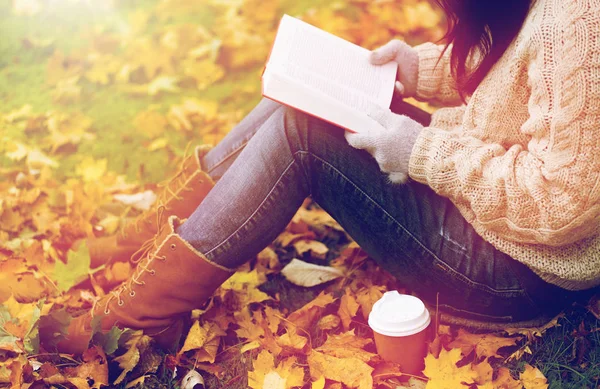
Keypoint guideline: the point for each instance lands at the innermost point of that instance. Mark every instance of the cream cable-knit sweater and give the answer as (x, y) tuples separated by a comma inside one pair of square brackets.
[(521, 161)]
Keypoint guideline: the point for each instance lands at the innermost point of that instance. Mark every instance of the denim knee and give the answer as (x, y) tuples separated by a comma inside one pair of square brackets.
[(295, 125)]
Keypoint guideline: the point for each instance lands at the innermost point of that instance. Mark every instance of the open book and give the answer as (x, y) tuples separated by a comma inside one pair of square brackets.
[(326, 76)]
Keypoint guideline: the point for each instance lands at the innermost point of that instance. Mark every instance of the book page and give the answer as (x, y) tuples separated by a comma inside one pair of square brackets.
[(302, 50), (330, 88)]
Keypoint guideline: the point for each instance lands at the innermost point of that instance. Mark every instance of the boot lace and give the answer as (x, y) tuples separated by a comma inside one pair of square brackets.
[(172, 189), (148, 252)]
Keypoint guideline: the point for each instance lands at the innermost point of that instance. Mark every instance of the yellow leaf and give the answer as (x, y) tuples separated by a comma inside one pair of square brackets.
[(150, 123), (532, 378), (91, 170), (266, 376), (19, 114), (203, 338), (205, 72), (318, 384), (350, 371), (158, 144), (443, 373), (250, 346), (129, 360), (163, 84)]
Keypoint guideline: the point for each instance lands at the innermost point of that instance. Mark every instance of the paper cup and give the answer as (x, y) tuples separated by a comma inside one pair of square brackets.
[(399, 323)]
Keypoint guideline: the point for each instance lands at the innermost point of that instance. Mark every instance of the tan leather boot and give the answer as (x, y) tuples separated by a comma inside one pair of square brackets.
[(168, 283), (180, 197)]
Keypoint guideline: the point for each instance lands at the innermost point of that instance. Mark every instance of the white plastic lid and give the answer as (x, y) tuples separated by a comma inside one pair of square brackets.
[(396, 314)]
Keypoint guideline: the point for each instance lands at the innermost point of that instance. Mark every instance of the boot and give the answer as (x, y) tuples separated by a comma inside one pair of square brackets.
[(180, 197), (169, 282)]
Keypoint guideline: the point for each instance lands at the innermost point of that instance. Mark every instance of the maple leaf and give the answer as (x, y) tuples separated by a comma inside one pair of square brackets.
[(347, 345), (367, 297), (485, 345), (533, 378), (350, 371), (205, 340), (19, 325), (348, 308), (75, 270), (443, 373), (94, 369), (68, 129), (91, 170), (245, 285), (266, 376)]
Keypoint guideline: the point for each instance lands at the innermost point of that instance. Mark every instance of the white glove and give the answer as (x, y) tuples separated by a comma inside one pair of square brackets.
[(407, 59), (391, 146)]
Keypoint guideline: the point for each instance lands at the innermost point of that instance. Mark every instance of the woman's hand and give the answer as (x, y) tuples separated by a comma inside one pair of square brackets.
[(408, 65), (391, 146)]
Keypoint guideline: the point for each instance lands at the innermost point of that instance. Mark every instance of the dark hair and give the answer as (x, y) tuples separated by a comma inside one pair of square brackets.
[(485, 25)]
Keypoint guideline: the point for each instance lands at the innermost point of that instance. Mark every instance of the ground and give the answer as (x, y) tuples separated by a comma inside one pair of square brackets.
[(101, 101)]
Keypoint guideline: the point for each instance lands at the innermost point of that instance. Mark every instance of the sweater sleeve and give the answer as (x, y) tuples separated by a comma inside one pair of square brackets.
[(548, 190), (434, 81)]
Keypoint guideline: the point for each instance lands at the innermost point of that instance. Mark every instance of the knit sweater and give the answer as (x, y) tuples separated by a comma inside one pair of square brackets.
[(521, 159)]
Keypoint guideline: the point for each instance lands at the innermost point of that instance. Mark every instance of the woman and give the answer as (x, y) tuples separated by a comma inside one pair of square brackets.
[(499, 220)]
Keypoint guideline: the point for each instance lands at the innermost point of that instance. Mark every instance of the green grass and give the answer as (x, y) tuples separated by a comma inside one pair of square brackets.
[(568, 358)]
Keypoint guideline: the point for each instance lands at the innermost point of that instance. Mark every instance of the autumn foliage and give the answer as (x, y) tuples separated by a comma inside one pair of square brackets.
[(117, 101)]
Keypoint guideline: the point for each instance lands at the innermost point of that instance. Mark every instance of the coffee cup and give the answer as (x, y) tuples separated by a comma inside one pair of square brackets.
[(399, 323)]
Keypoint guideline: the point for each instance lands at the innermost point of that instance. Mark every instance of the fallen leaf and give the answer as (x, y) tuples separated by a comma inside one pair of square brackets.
[(141, 201), (350, 371), (266, 376), (307, 274), (75, 270), (314, 247), (191, 379), (347, 345), (485, 345), (443, 373), (348, 308), (532, 378)]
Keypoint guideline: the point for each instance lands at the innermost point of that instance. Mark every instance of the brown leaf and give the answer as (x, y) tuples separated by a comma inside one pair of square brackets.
[(485, 345)]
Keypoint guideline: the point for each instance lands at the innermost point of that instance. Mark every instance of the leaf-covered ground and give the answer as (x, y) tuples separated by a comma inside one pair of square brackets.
[(100, 101)]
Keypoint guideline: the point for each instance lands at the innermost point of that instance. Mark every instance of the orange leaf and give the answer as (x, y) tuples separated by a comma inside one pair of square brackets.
[(485, 345), (348, 309)]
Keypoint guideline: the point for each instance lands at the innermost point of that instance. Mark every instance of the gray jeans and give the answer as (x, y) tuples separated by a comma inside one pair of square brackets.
[(277, 156)]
